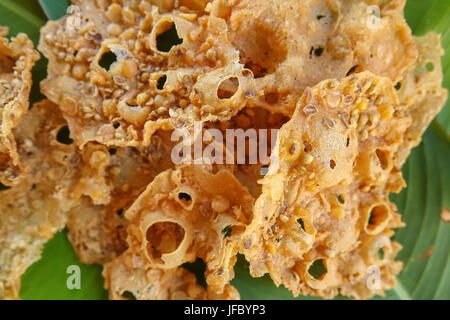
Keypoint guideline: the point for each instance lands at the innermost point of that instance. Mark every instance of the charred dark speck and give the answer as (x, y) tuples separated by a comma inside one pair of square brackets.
[(318, 52)]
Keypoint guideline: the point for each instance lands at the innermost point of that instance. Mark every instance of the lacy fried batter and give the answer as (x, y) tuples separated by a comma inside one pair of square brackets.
[(421, 91), (17, 58), (232, 54), (344, 81), (123, 277), (327, 188), (109, 182), (150, 85), (97, 230), (191, 213), (32, 211), (291, 45)]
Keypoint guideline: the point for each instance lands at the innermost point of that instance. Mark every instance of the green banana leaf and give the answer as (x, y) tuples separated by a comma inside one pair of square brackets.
[(55, 9), (425, 239)]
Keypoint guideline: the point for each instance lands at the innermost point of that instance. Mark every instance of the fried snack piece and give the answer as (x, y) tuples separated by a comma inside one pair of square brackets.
[(232, 54), (370, 268), (265, 126), (326, 189), (17, 58), (188, 213), (98, 231), (291, 45), (153, 83), (32, 211), (126, 274), (421, 91), (118, 179)]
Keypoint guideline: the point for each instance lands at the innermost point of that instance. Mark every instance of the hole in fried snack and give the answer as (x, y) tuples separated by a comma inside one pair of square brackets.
[(307, 146), (116, 125), (107, 59), (398, 85), (341, 199), (352, 70), (429, 66), (301, 223), (120, 212), (63, 136), (332, 164), (161, 82), (228, 88), (380, 254), (271, 98), (112, 151), (227, 231), (382, 158), (317, 270), (128, 295), (3, 187), (168, 38), (348, 142), (164, 237), (198, 268), (378, 215), (184, 196), (264, 170)]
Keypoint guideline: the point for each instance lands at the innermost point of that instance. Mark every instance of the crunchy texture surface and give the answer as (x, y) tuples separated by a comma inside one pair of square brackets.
[(144, 283), (189, 213), (32, 211), (17, 58), (291, 45), (421, 91), (349, 88), (98, 231), (332, 172), (232, 54), (122, 104)]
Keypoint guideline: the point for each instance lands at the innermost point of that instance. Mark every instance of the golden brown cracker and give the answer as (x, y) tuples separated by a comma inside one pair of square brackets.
[(17, 58)]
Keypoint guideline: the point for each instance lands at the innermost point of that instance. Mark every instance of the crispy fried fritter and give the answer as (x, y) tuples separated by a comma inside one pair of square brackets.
[(127, 74), (152, 83), (191, 213), (421, 91), (17, 58), (32, 211), (326, 190), (127, 275), (265, 125), (256, 53), (98, 231), (291, 45)]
